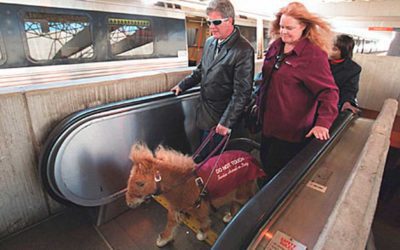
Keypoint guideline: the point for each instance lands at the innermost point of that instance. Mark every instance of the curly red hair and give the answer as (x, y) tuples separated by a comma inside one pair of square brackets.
[(317, 30)]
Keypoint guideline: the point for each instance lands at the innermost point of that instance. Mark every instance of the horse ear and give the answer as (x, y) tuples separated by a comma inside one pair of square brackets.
[(134, 150), (140, 152), (157, 151), (160, 152)]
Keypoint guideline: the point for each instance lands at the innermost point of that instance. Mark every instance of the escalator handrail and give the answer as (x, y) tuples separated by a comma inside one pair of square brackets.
[(239, 233)]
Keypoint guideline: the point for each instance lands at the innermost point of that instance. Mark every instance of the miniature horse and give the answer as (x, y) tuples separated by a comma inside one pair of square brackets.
[(170, 173)]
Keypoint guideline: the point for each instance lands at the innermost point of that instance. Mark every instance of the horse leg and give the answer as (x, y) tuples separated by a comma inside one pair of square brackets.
[(234, 208), (242, 195), (202, 214), (168, 234), (245, 192)]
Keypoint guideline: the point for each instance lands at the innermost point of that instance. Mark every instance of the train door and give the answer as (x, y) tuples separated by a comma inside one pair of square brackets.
[(266, 36), (197, 33)]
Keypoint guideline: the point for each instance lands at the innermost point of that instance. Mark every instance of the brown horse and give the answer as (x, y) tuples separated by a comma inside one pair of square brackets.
[(170, 173)]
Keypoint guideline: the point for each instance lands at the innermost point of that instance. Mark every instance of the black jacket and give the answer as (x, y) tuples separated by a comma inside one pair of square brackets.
[(347, 76), (226, 81)]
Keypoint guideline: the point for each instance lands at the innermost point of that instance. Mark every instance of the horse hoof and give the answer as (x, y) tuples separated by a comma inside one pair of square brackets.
[(201, 236), (162, 242), (179, 217), (227, 218)]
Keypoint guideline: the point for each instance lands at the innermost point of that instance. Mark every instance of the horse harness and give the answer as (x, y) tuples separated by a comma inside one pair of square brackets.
[(204, 195), (199, 183)]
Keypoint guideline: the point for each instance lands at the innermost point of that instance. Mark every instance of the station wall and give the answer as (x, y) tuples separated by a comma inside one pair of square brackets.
[(379, 80)]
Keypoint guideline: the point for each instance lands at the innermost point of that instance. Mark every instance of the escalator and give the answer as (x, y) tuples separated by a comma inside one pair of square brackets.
[(85, 159), (294, 207)]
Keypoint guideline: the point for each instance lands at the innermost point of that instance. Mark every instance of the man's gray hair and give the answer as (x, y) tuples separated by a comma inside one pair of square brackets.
[(225, 7)]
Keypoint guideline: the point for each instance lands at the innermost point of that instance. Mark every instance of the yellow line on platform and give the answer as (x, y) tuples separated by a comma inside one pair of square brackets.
[(190, 222)]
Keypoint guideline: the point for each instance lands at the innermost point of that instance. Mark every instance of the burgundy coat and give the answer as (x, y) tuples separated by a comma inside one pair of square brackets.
[(301, 93)]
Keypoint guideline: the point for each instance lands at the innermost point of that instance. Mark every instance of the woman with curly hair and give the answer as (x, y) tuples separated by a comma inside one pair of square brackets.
[(298, 97)]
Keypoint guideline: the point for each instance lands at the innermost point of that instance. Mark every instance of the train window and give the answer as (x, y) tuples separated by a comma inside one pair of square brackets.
[(160, 4), (2, 55), (58, 36), (250, 34), (130, 37), (266, 38), (191, 36)]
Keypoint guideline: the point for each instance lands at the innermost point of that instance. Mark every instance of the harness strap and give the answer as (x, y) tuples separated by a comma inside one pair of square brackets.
[(199, 182), (210, 137), (203, 195), (157, 179), (221, 146), (197, 203)]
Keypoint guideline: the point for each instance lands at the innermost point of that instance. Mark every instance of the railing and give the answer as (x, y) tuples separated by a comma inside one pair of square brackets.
[(241, 230)]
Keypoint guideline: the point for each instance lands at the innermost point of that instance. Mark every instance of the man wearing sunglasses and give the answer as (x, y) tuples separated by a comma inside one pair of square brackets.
[(225, 73)]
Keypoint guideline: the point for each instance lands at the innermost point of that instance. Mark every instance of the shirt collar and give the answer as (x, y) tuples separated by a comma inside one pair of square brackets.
[(221, 43), (298, 48), (332, 61)]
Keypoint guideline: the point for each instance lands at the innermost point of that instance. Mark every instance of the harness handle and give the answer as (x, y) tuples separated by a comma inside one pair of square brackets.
[(221, 145)]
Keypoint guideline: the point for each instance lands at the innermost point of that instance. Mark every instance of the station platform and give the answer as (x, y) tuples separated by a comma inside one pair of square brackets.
[(138, 229), (73, 229)]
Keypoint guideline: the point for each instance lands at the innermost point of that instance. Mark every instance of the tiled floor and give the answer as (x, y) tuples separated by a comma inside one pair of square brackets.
[(70, 230), (134, 229)]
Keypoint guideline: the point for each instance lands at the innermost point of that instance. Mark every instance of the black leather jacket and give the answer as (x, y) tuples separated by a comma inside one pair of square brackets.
[(226, 81), (347, 76)]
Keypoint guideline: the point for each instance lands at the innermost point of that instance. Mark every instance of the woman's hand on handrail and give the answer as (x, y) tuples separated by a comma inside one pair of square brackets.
[(321, 133)]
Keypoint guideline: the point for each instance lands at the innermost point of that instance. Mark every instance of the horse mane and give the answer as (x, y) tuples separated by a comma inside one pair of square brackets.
[(143, 156), (174, 160), (140, 152), (165, 157)]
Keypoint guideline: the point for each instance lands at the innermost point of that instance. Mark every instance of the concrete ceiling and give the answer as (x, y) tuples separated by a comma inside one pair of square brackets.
[(370, 12), (347, 16)]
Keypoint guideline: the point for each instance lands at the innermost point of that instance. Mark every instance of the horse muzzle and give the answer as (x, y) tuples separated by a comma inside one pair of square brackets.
[(135, 202)]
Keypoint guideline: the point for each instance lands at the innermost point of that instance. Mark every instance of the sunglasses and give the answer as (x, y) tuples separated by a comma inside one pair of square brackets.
[(216, 22), (279, 60)]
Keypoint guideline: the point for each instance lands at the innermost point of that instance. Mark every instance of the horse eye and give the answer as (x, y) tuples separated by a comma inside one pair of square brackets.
[(140, 184)]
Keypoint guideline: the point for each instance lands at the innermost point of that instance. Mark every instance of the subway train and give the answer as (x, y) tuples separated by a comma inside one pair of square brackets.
[(82, 39), (78, 39), (83, 80)]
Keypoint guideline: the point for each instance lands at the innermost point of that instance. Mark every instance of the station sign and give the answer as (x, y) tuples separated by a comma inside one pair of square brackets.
[(383, 29), (282, 241)]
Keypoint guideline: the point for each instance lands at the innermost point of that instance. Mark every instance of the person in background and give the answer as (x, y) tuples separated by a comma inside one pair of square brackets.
[(346, 72), (225, 72), (298, 97)]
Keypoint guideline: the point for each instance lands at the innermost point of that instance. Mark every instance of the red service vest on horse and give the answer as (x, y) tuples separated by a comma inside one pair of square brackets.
[(231, 169)]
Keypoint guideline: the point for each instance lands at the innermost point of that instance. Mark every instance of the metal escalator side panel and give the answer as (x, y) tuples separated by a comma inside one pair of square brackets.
[(86, 161), (239, 233)]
